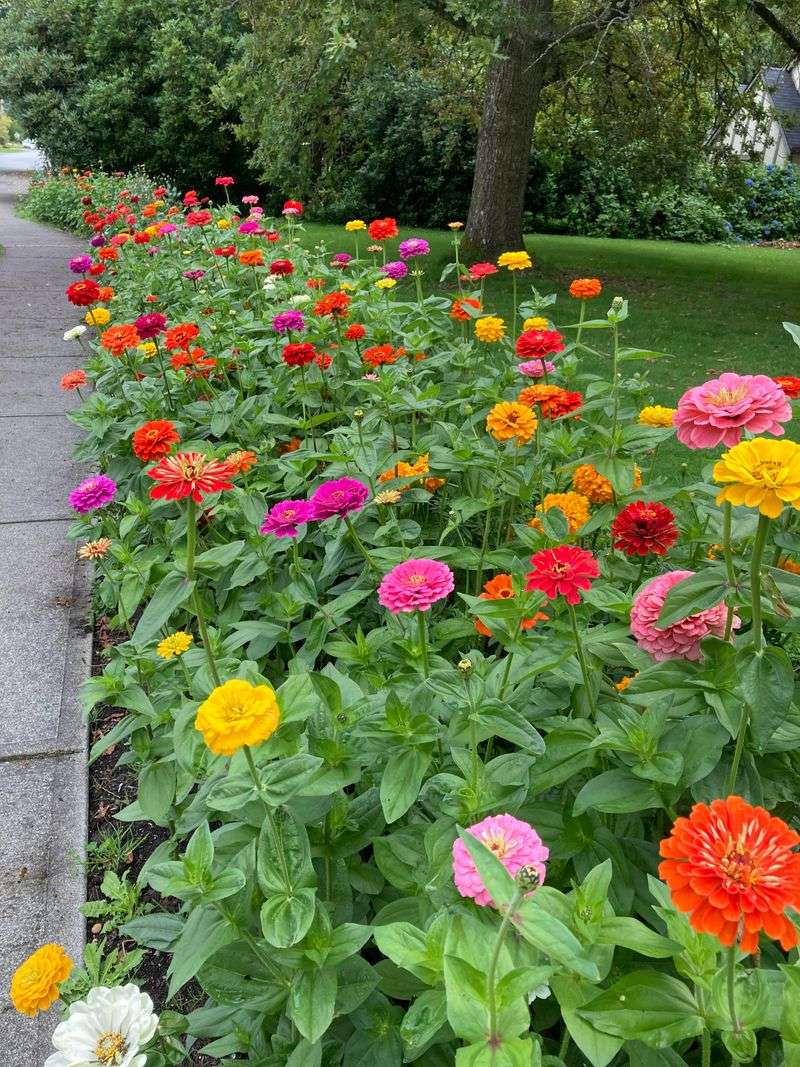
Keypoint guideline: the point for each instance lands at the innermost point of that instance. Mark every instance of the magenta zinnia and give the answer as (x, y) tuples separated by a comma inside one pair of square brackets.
[(283, 518), (338, 497), (92, 493)]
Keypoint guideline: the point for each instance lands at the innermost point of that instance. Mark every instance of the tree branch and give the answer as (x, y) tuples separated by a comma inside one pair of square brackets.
[(777, 25)]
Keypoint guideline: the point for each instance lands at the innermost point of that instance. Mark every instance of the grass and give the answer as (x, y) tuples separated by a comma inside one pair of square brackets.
[(709, 307)]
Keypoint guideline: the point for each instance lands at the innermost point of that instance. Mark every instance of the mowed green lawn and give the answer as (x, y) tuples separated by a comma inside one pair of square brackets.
[(710, 307)]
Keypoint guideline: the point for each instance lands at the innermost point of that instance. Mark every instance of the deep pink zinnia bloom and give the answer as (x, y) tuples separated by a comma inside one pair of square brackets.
[(682, 639), (80, 264), (718, 411), (396, 269), (536, 368), (151, 325), (338, 497), (283, 518), (223, 181), (562, 571), (414, 246), (286, 321), (92, 493), (515, 843), (415, 585), (250, 226)]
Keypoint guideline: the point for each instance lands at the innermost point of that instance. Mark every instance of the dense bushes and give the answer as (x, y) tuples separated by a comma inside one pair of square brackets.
[(62, 199)]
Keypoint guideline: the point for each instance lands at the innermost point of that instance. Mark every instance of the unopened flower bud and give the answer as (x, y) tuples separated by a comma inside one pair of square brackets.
[(528, 878), (465, 665), (616, 303), (468, 409), (358, 413)]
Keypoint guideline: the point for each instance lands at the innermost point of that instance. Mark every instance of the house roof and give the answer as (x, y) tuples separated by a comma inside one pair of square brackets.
[(786, 101)]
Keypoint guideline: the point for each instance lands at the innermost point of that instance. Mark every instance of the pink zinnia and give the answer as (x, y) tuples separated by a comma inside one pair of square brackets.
[(536, 368), (682, 639), (93, 493), (515, 843), (286, 321), (413, 246), (718, 411), (283, 518), (415, 585), (338, 497), (223, 181)]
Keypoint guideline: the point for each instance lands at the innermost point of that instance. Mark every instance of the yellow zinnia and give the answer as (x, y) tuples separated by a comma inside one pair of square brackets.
[(223, 224), (573, 506), (515, 260), (489, 328), (355, 224), (761, 473), (656, 415), (34, 985), (385, 283), (508, 420), (174, 645), (237, 714), (97, 316), (536, 323), (147, 348)]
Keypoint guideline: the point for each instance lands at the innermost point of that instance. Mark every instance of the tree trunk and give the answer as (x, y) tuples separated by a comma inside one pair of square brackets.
[(513, 84)]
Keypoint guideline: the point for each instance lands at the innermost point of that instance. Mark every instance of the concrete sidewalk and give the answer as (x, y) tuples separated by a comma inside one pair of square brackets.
[(45, 646)]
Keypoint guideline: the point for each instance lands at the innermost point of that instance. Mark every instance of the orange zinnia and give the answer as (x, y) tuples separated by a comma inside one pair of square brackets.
[(509, 420), (117, 339), (241, 461), (731, 868), (457, 310), (552, 400), (585, 288), (179, 336), (254, 257), (501, 588)]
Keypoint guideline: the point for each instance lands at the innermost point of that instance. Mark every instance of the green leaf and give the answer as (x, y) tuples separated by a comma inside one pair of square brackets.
[(793, 331), (157, 790), (499, 883), (422, 1022), (283, 858), (286, 917), (205, 932), (571, 994), (509, 1052), (766, 679), (235, 976), (647, 1006), (790, 1015), (402, 780), (547, 933), (467, 1006), (311, 1002), (406, 946), (692, 595), (284, 778), (632, 934), (306, 1055), (617, 792), (173, 591), (199, 854)]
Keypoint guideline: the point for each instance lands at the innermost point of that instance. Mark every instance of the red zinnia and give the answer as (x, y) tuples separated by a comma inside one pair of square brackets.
[(189, 474), (641, 528), (198, 218), (731, 868), (73, 379), (501, 588), (562, 571), (380, 354), (336, 304), (481, 270), (154, 439), (227, 250), (179, 336), (281, 266), (292, 207), (790, 385), (354, 332), (298, 354), (323, 360), (83, 293), (536, 344), (383, 229), (551, 400)]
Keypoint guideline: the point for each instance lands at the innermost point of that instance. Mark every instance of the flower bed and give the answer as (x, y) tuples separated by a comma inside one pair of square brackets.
[(458, 714)]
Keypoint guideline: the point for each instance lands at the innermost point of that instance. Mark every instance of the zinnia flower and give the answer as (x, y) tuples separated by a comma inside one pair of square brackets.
[(73, 379), (539, 343), (789, 565), (585, 288), (489, 328), (760, 474), (415, 585), (338, 497), (154, 439), (174, 645), (341, 259), (335, 304), (656, 415), (284, 517), (514, 842), (292, 207), (354, 332), (682, 639), (501, 587), (109, 1028), (595, 486), (573, 506), (189, 474), (719, 411), (254, 257), (509, 420), (354, 225), (515, 261), (414, 246), (92, 493), (536, 368), (552, 401), (642, 528), (83, 293), (790, 385), (223, 180), (241, 461), (282, 267), (731, 868), (80, 264), (298, 354), (385, 283), (95, 549), (457, 310), (378, 355), (481, 270), (34, 984), (396, 270), (237, 714), (562, 571), (537, 322), (181, 336), (74, 333), (286, 321), (151, 325), (97, 317), (383, 229), (118, 339)]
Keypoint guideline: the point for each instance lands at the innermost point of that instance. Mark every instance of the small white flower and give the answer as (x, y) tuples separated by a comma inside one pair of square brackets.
[(74, 333), (106, 1029), (299, 298)]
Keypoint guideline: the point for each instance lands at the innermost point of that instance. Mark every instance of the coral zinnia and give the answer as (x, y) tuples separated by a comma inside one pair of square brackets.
[(189, 474), (515, 843), (481, 270), (73, 379), (789, 384), (509, 420), (731, 868), (719, 411), (489, 328), (761, 474), (118, 339), (95, 549), (253, 257), (574, 507), (562, 571), (34, 985), (335, 304), (380, 354), (237, 714), (642, 528), (585, 288), (539, 343), (181, 335), (552, 400), (656, 415), (241, 460), (682, 639), (337, 497), (383, 229), (515, 260), (415, 585), (501, 587), (154, 439)]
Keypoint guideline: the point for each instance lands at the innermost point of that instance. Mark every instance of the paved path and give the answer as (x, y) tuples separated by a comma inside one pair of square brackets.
[(27, 159), (44, 646)]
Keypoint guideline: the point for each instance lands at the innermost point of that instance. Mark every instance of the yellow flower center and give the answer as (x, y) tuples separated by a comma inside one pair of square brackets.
[(768, 472), (191, 471), (497, 845), (727, 396), (416, 579), (111, 1047), (737, 864)]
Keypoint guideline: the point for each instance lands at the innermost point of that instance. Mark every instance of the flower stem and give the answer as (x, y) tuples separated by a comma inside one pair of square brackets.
[(423, 641), (191, 544), (360, 544), (727, 511), (614, 392), (705, 1039), (580, 323), (730, 971), (582, 659), (491, 991)]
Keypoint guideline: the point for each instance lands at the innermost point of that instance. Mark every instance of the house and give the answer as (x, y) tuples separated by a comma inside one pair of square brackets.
[(769, 131)]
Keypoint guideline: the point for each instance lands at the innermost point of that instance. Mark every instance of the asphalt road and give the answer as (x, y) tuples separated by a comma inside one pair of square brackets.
[(27, 159)]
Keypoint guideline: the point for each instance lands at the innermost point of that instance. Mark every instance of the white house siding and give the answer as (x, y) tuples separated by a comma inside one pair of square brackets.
[(747, 137)]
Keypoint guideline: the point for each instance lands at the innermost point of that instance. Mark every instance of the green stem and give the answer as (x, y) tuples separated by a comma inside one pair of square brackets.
[(562, 1052), (360, 544), (705, 1038), (727, 511), (491, 992), (423, 643), (514, 292), (191, 544), (614, 392), (582, 659), (580, 323), (730, 975)]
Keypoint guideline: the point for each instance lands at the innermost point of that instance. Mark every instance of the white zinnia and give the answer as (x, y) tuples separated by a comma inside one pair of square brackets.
[(106, 1029), (74, 333), (299, 298)]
